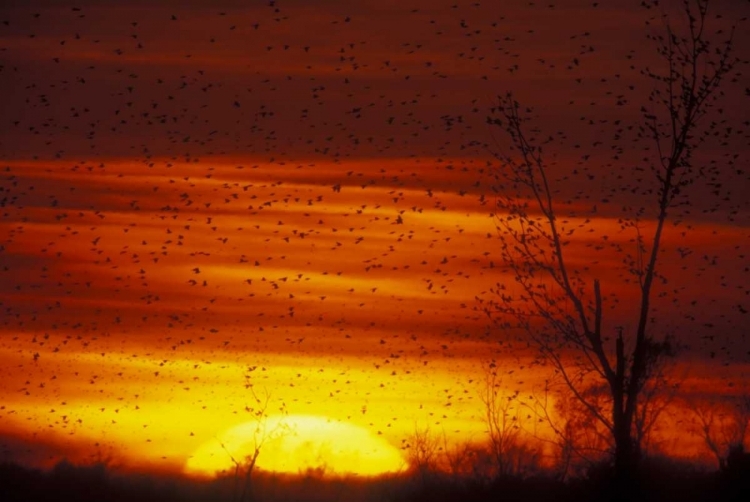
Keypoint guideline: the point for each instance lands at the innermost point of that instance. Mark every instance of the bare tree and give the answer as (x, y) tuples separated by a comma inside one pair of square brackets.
[(559, 306), (502, 409), (264, 431), (579, 441), (458, 458), (422, 448), (237, 467), (659, 391), (723, 424)]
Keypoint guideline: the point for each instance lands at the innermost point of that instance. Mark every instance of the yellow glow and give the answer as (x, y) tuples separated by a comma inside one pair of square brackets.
[(297, 443)]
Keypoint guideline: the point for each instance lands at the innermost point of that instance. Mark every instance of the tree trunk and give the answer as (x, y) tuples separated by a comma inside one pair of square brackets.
[(624, 454), (622, 420), (625, 458)]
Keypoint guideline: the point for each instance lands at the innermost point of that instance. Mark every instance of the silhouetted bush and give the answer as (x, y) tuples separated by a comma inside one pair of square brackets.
[(659, 479)]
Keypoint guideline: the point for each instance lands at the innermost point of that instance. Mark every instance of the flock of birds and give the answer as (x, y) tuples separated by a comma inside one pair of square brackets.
[(311, 181)]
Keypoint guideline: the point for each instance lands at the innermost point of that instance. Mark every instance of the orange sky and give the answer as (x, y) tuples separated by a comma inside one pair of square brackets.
[(213, 199)]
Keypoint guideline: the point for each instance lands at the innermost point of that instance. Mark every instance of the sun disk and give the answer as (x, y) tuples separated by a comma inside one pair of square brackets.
[(298, 443)]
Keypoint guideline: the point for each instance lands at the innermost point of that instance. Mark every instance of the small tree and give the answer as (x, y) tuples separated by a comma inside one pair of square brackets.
[(579, 440), (422, 449), (560, 307), (502, 416), (723, 424), (458, 458), (263, 432)]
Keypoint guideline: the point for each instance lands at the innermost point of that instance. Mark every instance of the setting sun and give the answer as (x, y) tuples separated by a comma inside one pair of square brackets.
[(298, 443)]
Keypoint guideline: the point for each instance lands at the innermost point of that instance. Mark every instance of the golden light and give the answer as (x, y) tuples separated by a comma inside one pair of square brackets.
[(296, 444)]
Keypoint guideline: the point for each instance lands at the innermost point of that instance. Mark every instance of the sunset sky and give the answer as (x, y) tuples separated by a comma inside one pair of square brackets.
[(192, 188)]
